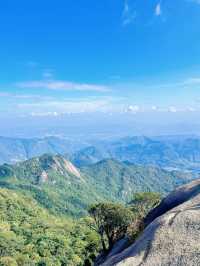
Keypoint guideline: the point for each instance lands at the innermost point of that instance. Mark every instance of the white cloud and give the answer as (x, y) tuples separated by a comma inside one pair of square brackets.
[(44, 114), (47, 73), (192, 81), (133, 109), (128, 15), (158, 10), (191, 109), (23, 96), (126, 7), (61, 85), (154, 108), (172, 109), (56, 108)]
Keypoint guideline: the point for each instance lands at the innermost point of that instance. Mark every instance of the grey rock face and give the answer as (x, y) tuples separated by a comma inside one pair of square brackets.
[(177, 197), (171, 239)]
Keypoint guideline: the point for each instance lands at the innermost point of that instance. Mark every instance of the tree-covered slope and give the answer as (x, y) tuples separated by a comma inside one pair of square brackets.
[(29, 235), (62, 188), (119, 180), (53, 181)]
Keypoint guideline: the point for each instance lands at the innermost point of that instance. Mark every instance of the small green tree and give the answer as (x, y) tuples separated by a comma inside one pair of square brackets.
[(8, 261), (143, 202), (111, 221)]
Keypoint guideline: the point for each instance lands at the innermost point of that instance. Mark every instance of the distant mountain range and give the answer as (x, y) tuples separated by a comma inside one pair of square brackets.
[(170, 152), (56, 184), (175, 152), (13, 150)]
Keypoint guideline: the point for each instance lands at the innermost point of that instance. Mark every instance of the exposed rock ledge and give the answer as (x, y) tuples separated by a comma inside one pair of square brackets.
[(170, 239)]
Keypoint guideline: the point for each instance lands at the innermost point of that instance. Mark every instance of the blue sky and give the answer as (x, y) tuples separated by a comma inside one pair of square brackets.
[(110, 56)]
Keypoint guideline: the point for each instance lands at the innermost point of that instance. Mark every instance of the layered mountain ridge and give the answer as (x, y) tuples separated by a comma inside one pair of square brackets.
[(63, 188), (52, 180), (170, 152)]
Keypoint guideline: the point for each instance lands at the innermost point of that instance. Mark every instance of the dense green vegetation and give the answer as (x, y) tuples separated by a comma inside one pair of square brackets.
[(52, 182), (119, 181), (29, 235), (63, 189), (41, 199), (112, 221), (143, 202)]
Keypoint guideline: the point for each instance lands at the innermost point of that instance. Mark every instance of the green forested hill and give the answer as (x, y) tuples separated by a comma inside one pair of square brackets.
[(41, 198), (60, 187), (53, 181), (29, 235), (119, 180)]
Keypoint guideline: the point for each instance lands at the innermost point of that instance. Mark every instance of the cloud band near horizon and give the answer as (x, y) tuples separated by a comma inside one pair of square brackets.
[(61, 85)]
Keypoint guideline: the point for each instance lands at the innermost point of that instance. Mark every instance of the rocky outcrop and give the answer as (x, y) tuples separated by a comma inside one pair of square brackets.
[(71, 168), (172, 236)]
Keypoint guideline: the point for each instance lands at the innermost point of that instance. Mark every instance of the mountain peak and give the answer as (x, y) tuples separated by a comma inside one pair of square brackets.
[(58, 163)]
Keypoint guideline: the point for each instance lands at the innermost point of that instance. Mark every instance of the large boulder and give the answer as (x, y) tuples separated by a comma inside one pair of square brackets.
[(173, 235)]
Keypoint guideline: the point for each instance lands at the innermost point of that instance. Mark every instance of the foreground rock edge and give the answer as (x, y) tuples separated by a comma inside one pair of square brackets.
[(170, 239)]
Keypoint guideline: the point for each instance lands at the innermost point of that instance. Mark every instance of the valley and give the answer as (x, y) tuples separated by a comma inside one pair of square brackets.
[(63, 188), (46, 200)]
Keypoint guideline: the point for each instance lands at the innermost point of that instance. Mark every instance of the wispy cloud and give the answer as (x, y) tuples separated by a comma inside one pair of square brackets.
[(40, 114), (136, 109), (10, 95), (194, 1), (128, 15), (29, 101), (193, 81), (172, 109), (158, 10), (132, 109), (57, 108), (5, 94), (48, 73), (61, 85)]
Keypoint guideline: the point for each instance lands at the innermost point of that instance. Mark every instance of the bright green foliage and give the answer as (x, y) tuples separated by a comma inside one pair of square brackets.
[(38, 196), (118, 181), (29, 235), (143, 202), (112, 221), (8, 261), (48, 180)]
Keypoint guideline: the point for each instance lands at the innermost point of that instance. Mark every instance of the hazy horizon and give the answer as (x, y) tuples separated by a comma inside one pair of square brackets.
[(101, 125), (112, 68)]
